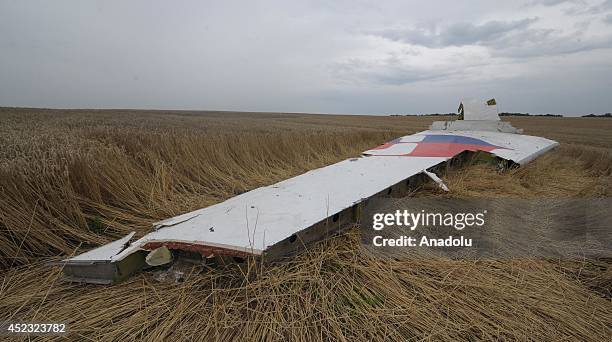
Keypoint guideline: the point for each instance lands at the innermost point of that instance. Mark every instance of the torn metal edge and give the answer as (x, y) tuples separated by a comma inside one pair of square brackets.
[(436, 179), (108, 264)]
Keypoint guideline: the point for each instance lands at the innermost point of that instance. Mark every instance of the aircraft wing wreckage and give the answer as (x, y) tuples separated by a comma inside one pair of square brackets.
[(278, 219)]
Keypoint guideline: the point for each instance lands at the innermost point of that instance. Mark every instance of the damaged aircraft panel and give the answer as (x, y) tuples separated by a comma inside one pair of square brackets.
[(305, 208)]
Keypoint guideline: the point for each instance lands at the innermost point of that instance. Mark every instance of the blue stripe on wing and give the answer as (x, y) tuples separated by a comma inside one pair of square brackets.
[(455, 139)]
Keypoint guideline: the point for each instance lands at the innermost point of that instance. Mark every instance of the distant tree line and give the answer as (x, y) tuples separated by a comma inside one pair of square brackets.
[(527, 114), (607, 115)]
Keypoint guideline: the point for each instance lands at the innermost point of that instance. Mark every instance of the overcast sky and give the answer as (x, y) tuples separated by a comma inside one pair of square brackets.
[(362, 57)]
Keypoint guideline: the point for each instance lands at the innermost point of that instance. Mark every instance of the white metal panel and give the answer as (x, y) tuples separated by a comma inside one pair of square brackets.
[(106, 252), (518, 148), (257, 219), (515, 147), (479, 110), (253, 221), (475, 125), (396, 149)]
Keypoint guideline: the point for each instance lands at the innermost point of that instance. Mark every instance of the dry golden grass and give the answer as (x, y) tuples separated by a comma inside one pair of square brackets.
[(72, 177), (335, 291), (61, 173)]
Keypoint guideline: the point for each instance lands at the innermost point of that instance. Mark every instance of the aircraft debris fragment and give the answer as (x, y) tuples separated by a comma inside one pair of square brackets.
[(159, 256), (277, 220), (436, 179)]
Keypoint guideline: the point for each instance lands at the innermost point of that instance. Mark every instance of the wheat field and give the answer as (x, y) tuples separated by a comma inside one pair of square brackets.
[(71, 180)]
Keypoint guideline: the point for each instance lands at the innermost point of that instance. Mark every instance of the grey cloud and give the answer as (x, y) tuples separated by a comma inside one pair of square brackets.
[(550, 3), (390, 71), (584, 8), (608, 19), (576, 7), (457, 34), (299, 56), (503, 38), (548, 42)]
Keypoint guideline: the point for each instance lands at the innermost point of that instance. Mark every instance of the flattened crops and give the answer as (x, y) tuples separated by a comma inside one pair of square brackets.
[(73, 180)]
